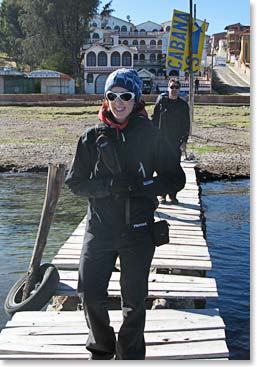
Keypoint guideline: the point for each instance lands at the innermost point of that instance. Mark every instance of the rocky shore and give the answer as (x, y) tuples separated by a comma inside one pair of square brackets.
[(28, 142)]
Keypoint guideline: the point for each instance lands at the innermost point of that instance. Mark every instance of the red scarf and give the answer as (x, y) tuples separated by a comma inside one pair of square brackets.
[(106, 116)]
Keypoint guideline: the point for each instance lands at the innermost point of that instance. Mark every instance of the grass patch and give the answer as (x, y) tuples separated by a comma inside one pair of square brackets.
[(26, 141), (204, 115), (213, 116), (203, 149)]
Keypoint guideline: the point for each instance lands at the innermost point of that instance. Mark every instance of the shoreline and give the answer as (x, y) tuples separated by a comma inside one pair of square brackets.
[(33, 137), (202, 174)]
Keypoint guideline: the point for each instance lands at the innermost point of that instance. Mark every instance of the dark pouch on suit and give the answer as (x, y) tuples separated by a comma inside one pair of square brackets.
[(160, 232)]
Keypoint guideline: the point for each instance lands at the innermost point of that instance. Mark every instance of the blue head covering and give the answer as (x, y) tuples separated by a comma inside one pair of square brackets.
[(125, 78)]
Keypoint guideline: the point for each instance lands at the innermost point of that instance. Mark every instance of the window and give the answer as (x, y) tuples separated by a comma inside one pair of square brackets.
[(102, 59), (90, 78), (115, 59), (117, 28), (152, 58), (94, 25), (152, 43), (135, 43), (159, 42), (142, 57), (142, 42), (124, 28), (126, 59), (125, 42), (168, 28), (135, 57), (95, 36), (91, 59), (142, 30)]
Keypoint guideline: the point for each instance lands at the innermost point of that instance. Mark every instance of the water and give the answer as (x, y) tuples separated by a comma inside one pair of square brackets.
[(226, 206), (227, 211), (21, 202)]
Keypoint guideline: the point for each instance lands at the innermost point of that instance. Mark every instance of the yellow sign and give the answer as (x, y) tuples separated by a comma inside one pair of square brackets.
[(178, 46)]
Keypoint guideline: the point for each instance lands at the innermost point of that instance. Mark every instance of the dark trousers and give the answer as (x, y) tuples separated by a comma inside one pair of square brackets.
[(172, 194), (97, 262)]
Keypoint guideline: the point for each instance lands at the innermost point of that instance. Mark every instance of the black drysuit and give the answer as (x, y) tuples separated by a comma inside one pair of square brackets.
[(172, 118), (109, 235)]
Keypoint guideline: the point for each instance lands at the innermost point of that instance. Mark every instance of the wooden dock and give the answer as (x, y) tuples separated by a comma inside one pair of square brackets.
[(177, 274)]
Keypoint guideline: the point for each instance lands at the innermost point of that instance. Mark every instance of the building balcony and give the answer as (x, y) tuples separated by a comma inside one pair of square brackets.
[(141, 34), (103, 69), (148, 63), (149, 47)]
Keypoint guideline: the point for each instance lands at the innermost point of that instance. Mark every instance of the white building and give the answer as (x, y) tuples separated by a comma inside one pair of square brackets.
[(53, 82), (116, 43)]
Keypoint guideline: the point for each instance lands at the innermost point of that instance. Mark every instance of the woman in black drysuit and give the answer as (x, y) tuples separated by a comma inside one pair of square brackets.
[(122, 194)]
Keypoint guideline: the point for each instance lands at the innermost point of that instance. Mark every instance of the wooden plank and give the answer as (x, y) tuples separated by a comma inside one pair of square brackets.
[(69, 289), (150, 338), (189, 350), (205, 349), (153, 277), (161, 314), (169, 334), (173, 240), (168, 249), (156, 263), (160, 286), (78, 327)]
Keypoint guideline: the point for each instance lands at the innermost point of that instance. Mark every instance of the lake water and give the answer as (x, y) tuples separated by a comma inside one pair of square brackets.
[(227, 211)]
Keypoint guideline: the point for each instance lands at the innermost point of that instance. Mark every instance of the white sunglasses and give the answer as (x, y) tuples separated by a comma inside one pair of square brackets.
[(124, 96)]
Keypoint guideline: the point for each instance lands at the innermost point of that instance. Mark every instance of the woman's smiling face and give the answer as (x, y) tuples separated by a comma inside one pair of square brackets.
[(121, 109)]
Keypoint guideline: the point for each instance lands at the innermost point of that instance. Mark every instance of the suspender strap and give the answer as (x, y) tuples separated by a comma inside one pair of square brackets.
[(127, 211)]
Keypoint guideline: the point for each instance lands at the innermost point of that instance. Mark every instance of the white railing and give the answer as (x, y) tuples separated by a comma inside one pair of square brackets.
[(95, 69)]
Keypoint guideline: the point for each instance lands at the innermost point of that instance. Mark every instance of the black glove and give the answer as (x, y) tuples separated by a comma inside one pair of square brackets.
[(107, 153)]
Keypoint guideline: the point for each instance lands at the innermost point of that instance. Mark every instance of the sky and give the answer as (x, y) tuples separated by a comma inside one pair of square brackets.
[(218, 13)]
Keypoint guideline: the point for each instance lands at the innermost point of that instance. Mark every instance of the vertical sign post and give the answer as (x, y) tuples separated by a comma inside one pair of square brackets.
[(191, 74)]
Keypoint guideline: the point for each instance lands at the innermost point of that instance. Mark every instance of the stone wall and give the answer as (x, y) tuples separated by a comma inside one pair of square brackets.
[(16, 99)]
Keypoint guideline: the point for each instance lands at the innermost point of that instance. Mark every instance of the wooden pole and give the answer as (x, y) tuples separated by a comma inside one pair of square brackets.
[(55, 181), (191, 75)]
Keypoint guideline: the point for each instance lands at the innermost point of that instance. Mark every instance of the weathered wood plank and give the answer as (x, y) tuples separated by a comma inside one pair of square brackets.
[(63, 263), (165, 249), (170, 334), (153, 277), (160, 286), (165, 337)]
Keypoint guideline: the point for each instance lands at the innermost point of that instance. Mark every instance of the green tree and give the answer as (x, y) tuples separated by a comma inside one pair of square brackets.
[(11, 34), (55, 32), (105, 13)]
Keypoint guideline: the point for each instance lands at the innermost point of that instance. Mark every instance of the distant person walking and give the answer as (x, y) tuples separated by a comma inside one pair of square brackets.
[(196, 85), (171, 116)]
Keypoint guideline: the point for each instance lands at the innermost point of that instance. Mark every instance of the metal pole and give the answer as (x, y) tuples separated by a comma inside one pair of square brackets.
[(191, 75), (212, 50)]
